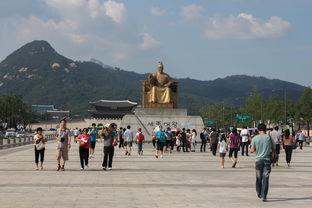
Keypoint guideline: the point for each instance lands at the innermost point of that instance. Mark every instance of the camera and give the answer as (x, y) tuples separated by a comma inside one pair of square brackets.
[(62, 139)]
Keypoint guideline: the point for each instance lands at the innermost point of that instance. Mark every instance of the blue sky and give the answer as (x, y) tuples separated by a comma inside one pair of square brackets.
[(201, 39)]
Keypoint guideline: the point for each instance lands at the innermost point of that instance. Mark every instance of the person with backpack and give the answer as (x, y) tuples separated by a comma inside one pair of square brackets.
[(234, 140), (139, 140)]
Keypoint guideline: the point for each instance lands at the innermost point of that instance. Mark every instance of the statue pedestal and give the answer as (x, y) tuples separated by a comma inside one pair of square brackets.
[(148, 118)]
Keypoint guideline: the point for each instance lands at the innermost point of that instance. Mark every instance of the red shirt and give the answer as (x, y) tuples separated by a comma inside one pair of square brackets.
[(84, 141)]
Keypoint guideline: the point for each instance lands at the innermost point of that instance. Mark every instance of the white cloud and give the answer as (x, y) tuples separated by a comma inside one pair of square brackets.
[(116, 11), (87, 28), (192, 12), (245, 26), (158, 11), (148, 41)]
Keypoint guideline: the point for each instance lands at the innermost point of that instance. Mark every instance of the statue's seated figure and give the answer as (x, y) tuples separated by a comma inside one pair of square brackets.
[(159, 91)]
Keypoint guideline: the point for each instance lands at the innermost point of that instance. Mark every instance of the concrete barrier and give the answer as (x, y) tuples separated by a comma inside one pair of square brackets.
[(15, 142)]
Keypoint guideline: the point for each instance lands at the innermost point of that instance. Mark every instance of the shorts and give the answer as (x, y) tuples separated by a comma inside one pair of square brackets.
[(160, 145), (222, 154), (92, 145), (168, 143), (129, 144), (233, 150), (62, 153)]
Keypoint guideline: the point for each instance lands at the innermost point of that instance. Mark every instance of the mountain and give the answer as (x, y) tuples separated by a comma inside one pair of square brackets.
[(42, 76)]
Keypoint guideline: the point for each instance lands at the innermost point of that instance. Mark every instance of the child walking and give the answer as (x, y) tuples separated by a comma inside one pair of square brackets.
[(222, 149)]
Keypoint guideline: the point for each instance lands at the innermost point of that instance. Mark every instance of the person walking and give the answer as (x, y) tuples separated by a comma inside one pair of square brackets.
[(193, 140), (223, 147), (276, 135), (214, 139), (300, 138), (129, 139), (139, 140), (169, 140), (234, 140), (154, 140), (39, 141), (84, 144), (161, 141), (76, 134), (245, 135), (288, 143), (184, 140), (263, 145), (203, 137), (121, 138), (110, 140), (93, 132), (63, 144), (178, 140)]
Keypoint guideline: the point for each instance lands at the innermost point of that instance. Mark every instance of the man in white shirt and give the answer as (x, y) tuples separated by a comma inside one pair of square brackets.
[(300, 138), (129, 139), (276, 135), (245, 140)]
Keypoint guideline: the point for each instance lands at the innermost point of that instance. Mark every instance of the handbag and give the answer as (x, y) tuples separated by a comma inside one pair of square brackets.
[(274, 156), (40, 146)]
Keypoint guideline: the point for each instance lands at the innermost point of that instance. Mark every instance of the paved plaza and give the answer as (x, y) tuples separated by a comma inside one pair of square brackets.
[(177, 180)]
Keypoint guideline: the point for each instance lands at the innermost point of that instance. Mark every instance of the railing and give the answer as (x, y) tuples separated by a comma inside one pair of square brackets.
[(20, 141)]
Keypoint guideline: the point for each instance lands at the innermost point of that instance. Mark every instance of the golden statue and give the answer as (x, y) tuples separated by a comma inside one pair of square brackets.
[(159, 91)]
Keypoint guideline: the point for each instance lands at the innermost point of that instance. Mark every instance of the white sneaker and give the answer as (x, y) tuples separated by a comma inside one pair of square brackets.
[(109, 168), (81, 168), (161, 156)]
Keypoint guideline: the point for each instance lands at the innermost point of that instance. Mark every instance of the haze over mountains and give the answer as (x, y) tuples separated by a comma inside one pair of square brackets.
[(42, 76)]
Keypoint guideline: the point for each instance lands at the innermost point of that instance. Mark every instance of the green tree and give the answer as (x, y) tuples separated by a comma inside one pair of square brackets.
[(305, 108), (220, 114), (14, 111), (254, 105)]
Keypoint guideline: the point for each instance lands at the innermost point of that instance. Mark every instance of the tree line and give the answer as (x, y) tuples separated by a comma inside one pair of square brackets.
[(14, 112), (275, 110)]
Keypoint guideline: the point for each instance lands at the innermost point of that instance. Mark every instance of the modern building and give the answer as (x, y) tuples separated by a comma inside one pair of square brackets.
[(112, 109), (43, 108), (51, 111)]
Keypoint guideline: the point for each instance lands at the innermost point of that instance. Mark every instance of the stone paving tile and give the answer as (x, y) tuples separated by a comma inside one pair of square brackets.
[(177, 180)]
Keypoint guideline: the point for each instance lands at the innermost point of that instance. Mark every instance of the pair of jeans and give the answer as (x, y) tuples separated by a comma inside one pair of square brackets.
[(288, 152), (203, 145), (108, 156), (140, 147), (301, 143), (214, 147), (184, 145), (193, 146), (39, 153), (245, 145), (263, 170), (84, 156)]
